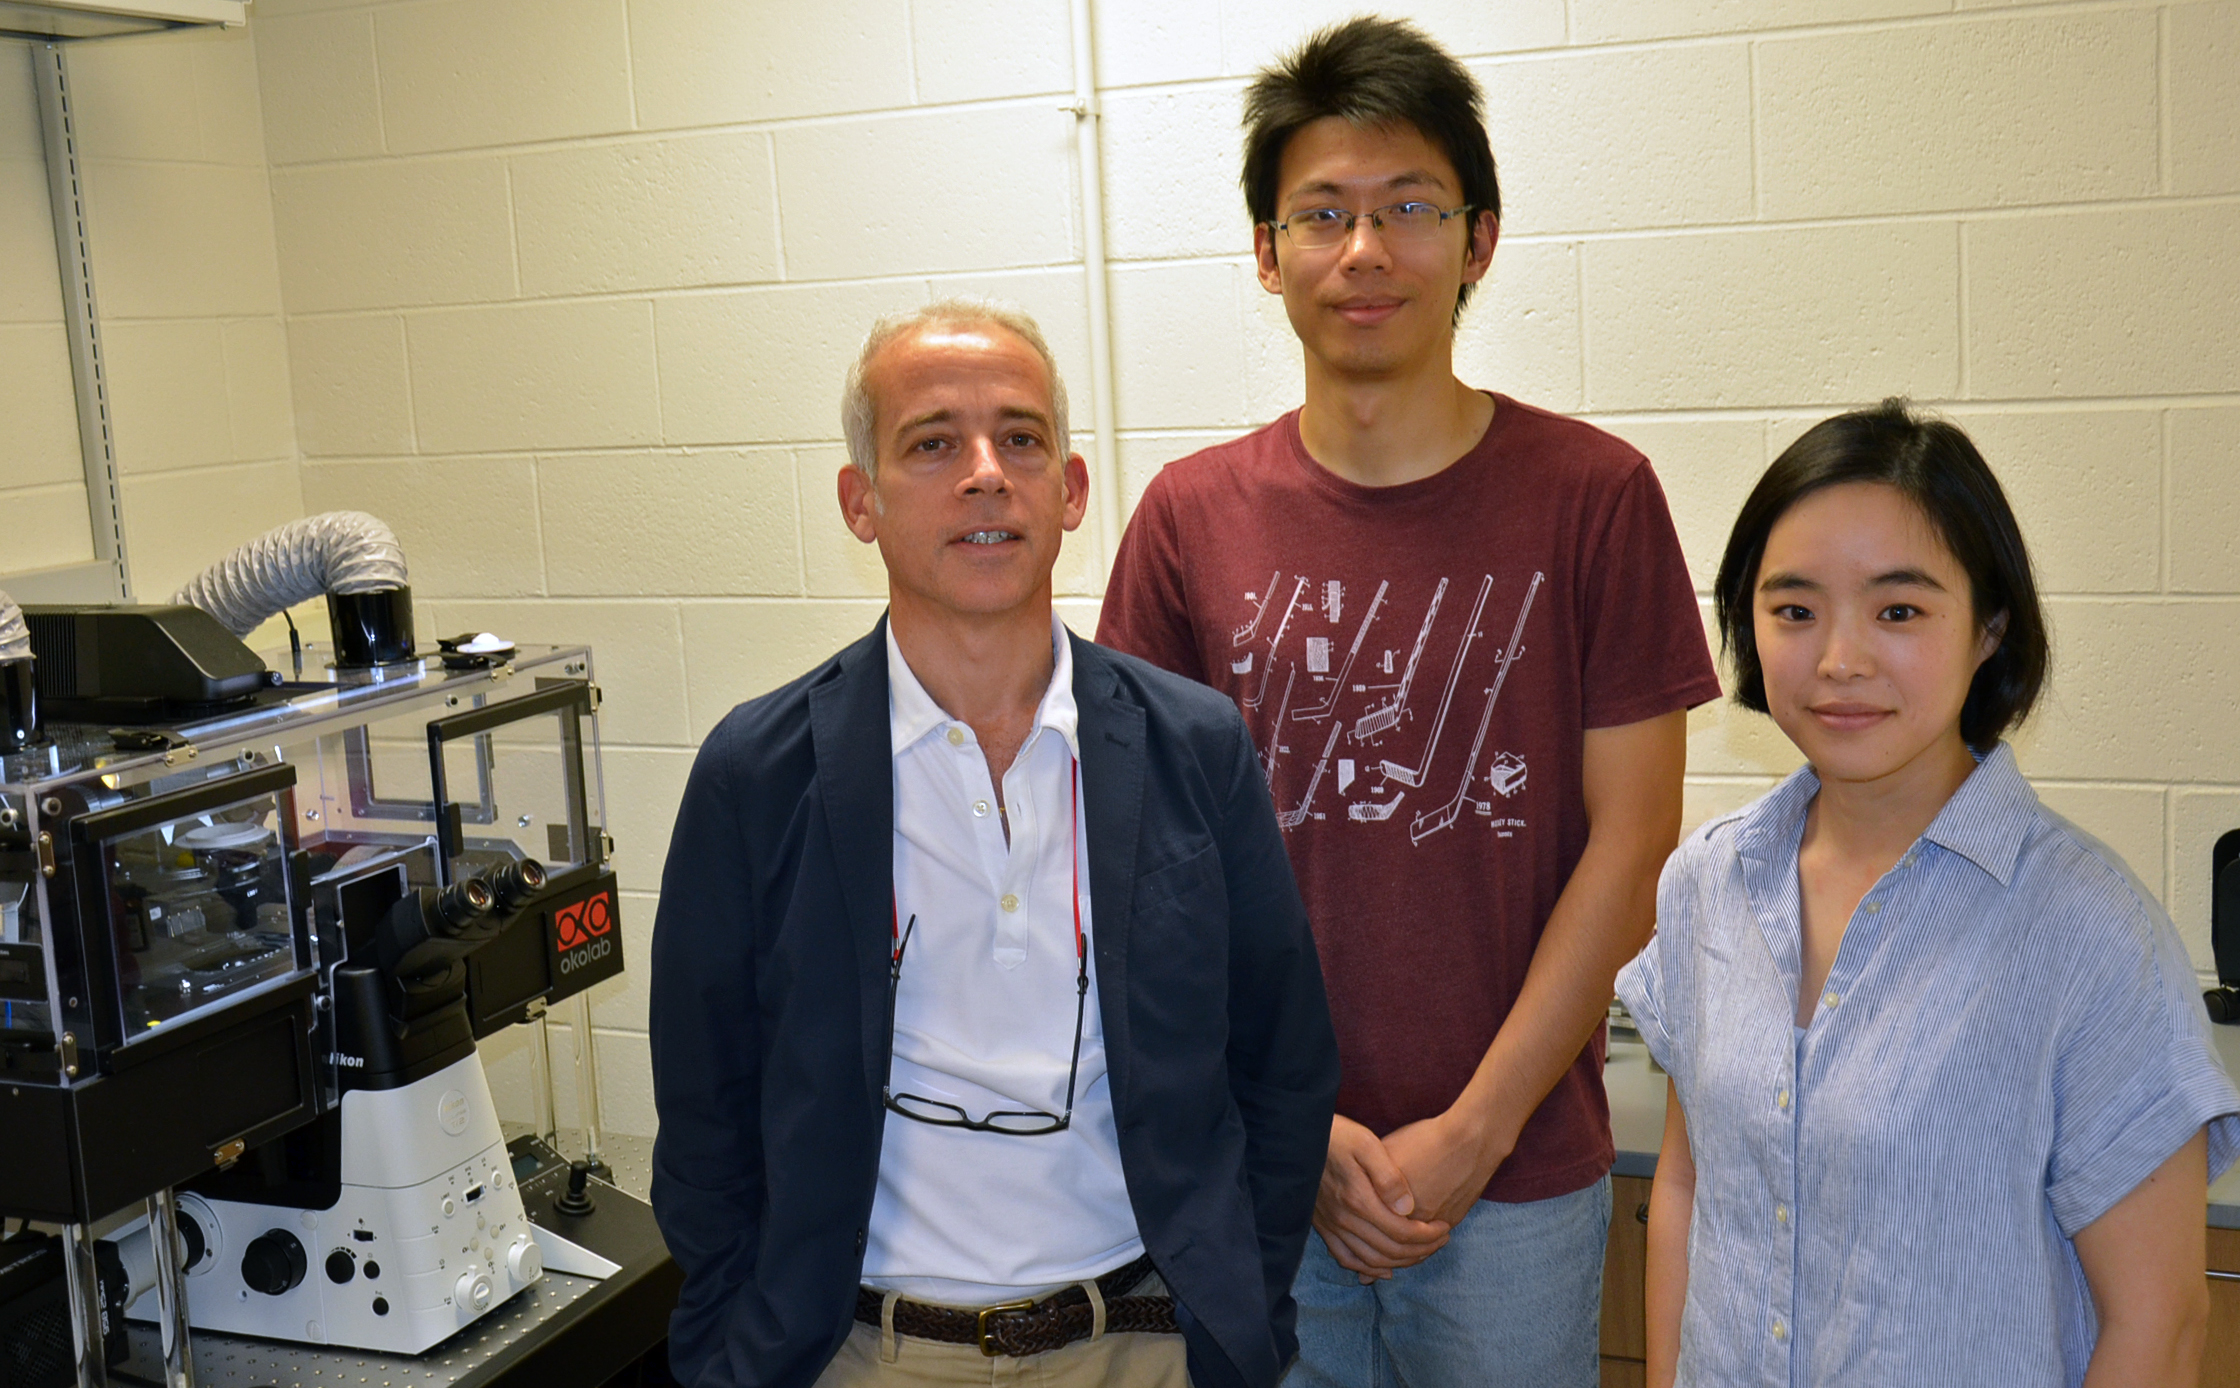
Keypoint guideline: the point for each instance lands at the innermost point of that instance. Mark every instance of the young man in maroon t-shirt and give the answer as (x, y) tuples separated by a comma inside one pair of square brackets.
[(1465, 639)]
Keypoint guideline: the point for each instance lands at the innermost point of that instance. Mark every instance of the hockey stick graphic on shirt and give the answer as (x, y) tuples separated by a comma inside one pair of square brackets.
[(1428, 824), (1260, 696), (1249, 629), (1292, 819), (1374, 811), (1275, 731), (1387, 714), (1338, 686), (1412, 776)]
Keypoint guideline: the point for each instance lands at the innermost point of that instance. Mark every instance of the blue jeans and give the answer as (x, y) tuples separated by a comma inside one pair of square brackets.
[(1514, 1298)]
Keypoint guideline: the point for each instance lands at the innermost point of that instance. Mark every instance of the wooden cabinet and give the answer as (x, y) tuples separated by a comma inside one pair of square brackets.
[(2220, 1363), (1624, 1373), (1624, 1334)]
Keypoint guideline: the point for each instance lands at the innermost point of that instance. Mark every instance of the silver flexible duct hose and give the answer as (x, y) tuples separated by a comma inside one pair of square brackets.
[(15, 637), (339, 552)]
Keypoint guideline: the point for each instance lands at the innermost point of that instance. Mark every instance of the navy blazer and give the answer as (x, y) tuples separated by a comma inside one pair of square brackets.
[(771, 1016)]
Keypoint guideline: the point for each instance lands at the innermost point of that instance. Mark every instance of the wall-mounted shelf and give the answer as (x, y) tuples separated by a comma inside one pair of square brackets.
[(95, 19)]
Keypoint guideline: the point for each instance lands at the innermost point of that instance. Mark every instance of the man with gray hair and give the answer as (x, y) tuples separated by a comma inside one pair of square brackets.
[(989, 1040)]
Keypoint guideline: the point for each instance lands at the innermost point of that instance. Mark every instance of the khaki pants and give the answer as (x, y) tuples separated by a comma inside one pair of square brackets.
[(871, 1358)]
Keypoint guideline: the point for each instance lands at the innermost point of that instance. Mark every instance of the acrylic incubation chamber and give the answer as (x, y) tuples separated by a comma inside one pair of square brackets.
[(220, 920)]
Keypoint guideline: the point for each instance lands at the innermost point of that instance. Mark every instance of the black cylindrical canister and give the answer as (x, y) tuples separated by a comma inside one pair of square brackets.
[(19, 705), (371, 628)]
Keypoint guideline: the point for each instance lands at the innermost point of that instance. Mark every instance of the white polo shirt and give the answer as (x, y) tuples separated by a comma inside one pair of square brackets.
[(984, 1017)]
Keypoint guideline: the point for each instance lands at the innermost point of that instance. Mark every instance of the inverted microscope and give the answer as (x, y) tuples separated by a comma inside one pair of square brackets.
[(254, 918)]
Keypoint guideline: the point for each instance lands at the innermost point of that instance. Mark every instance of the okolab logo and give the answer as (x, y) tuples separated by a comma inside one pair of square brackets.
[(584, 929)]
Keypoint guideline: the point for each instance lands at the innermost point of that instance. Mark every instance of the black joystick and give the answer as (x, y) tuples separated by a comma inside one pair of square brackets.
[(575, 1201)]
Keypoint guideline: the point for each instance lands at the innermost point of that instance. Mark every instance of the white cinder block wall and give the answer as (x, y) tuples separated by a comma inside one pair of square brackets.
[(42, 475), (179, 221), (569, 284)]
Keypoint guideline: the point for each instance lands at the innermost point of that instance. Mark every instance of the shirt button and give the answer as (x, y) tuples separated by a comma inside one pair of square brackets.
[(1780, 1330), (1781, 1214), (956, 737), (1010, 901), (1873, 906), (1830, 998), (980, 809), (1781, 1101)]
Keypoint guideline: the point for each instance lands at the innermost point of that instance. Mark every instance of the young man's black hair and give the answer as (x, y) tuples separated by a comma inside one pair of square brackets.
[(1370, 71), (1935, 466)]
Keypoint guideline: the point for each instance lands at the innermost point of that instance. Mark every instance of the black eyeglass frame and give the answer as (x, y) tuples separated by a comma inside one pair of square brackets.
[(1052, 1122), (1353, 219)]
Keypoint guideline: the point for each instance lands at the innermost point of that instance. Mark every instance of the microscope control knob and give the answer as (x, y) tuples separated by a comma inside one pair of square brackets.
[(273, 1263), (525, 1260), (473, 1293)]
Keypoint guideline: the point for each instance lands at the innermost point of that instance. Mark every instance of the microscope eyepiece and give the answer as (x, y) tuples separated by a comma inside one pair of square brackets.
[(461, 905), (515, 883)]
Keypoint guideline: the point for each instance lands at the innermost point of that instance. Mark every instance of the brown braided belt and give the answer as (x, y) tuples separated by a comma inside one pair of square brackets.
[(1021, 1328)]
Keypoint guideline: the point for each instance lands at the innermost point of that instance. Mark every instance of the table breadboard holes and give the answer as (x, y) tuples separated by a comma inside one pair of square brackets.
[(225, 1361)]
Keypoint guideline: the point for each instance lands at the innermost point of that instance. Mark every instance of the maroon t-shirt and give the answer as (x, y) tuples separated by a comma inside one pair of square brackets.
[(1419, 665)]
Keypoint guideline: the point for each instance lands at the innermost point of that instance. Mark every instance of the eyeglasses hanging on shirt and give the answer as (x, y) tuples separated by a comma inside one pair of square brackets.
[(1015, 1122)]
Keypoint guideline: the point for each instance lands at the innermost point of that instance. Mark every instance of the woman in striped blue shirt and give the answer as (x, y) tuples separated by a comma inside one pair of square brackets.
[(1943, 1105)]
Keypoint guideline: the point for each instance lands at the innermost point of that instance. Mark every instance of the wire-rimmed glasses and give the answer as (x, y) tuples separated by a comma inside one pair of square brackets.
[(1320, 228), (1015, 1122)]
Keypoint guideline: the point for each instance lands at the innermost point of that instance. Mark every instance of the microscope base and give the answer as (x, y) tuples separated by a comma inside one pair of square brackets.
[(429, 1234)]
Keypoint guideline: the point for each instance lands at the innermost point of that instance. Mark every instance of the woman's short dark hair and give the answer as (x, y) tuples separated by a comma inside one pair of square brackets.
[(1371, 71), (1933, 464)]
